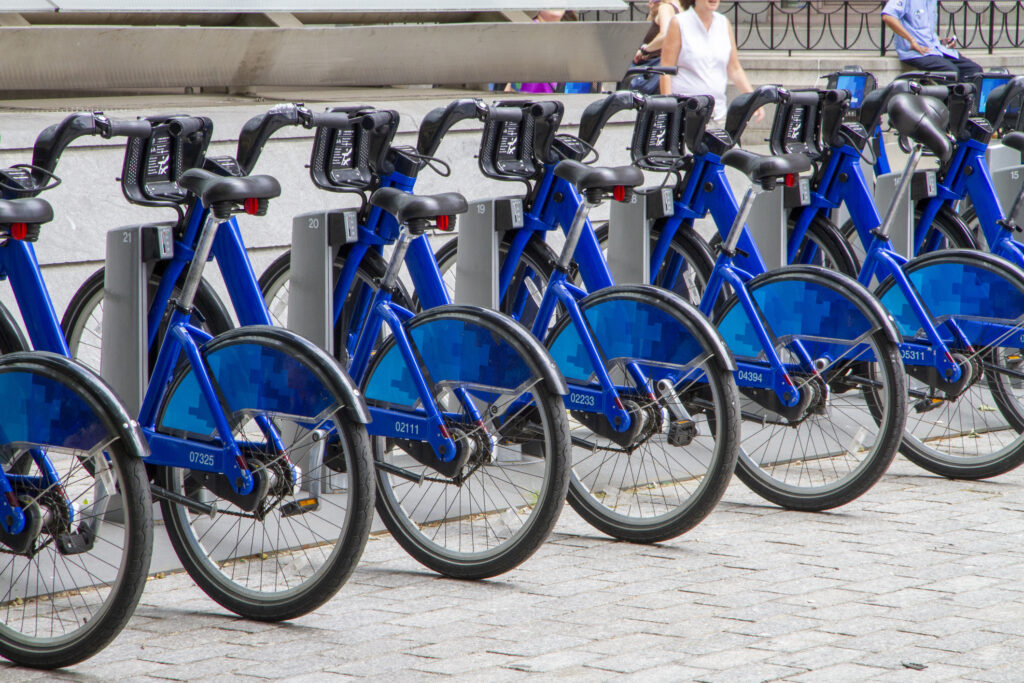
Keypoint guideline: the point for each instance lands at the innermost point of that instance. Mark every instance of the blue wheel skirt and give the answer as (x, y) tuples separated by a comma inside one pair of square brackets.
[(451, 350), (39, 410), (959, 290), (249, 377), (796, 308), (625, 329)]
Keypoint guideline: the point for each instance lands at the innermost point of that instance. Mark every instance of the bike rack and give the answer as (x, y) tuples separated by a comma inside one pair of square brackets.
[(132, 253), (1000, 156), (629, 232), (316, 239), (1007, 181), (477, 268), (768, 220), (922, 185)]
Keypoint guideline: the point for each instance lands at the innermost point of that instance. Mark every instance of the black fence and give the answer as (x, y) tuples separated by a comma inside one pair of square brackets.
[(855, 25)]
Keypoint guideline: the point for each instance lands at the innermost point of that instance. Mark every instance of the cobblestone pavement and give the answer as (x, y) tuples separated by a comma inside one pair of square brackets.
[(919, 580)]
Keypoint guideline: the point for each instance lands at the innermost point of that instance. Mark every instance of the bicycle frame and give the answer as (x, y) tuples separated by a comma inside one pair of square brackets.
[(842, 181)]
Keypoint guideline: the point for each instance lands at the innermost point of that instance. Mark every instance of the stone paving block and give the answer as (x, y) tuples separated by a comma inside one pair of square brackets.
[(730, 658), (454, 666), (552, 662), (761, 671), (629, 662), (837, 673), (377, 666)]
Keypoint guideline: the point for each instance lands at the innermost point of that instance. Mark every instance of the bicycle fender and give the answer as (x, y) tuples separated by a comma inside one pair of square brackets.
[(958, 282), (706, 332), (453, 345), (625, 324), (247, 369), (807, 301), (62, 409)]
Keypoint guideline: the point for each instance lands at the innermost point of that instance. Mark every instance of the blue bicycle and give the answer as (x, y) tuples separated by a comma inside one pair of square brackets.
[(257, 449), (839, 437), (651, 400), (469, 438), (966, 412)]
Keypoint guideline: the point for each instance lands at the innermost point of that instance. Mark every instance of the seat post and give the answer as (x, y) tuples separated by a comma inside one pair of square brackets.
[(901, 190), (733, 238), (397, 258), (199, 258), (572, 238)]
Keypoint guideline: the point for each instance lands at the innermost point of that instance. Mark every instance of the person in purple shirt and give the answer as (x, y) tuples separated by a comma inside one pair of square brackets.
[(915, 23)]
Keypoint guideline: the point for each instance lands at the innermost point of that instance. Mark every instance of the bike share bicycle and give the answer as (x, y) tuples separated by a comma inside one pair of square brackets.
[(75, 525), (650, 393), (470, 440), (958, 309), (247, 430), (822, 331)]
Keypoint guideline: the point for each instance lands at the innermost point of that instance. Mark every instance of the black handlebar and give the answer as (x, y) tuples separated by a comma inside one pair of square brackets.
[(744, 106), (125, 128), (437, 122), (1001, 98), (327, 119), (597, 113)]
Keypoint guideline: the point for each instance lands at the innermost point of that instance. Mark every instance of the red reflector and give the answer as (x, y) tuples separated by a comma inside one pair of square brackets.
[(444, 223), (240, 460), (12, 499), (790, 179), (788, 381), (619, 193), (19, 231), (252, 206)]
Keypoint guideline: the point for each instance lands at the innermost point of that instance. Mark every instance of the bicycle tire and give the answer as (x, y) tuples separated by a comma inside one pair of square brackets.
[(11, 339), (870, 392), (511, 488), (77, 593), (250, 366), (650, 489), (831, 249), (82, 321)]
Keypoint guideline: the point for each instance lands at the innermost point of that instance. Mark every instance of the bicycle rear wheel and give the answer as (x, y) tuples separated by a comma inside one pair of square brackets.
[(493, 505), (841, 352), (71, 577), (289, 547), (668, 470)]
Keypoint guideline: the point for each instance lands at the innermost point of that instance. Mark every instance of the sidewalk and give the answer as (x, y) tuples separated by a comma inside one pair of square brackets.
[(919, 580)]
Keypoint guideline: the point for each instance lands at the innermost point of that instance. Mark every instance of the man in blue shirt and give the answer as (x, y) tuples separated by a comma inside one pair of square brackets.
[(915, 23)]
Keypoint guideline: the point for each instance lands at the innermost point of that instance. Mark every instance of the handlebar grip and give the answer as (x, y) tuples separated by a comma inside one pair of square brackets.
[(514, 114), (184, 125), (131, 128), (331, 119), (597, 114), (743, 107), (376, 120), (543, 109)]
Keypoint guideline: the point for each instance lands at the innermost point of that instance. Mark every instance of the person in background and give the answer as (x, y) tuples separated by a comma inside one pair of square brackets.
[(702, 46), (660, 13), (545, 15), (915, 23)]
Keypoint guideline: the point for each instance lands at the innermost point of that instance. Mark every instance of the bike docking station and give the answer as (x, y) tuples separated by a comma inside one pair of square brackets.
[(900, 217), (316, 239), (629, 233), (132, 254), (1007, 175), (481, 230)]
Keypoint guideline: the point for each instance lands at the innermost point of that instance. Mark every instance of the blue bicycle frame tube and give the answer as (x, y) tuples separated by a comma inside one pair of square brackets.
[(18, 262)]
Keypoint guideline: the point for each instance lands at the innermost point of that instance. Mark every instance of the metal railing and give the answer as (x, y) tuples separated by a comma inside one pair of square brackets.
[(797, 25)]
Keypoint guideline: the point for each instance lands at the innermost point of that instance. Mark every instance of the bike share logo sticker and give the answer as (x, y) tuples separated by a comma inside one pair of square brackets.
[(656, 139), (343, 151), (508, 143), (158, 162)]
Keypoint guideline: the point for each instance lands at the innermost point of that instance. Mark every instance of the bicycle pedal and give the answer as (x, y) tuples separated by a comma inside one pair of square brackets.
[(300, 507), (682, 432), (927, 404)]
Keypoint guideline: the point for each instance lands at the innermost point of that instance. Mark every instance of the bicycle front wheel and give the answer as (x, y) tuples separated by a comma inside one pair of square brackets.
[(71, 575), (288, 547), (490, 507)]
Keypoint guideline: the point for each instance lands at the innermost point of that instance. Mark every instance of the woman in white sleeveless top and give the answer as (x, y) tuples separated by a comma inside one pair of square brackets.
[(702, 46)]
